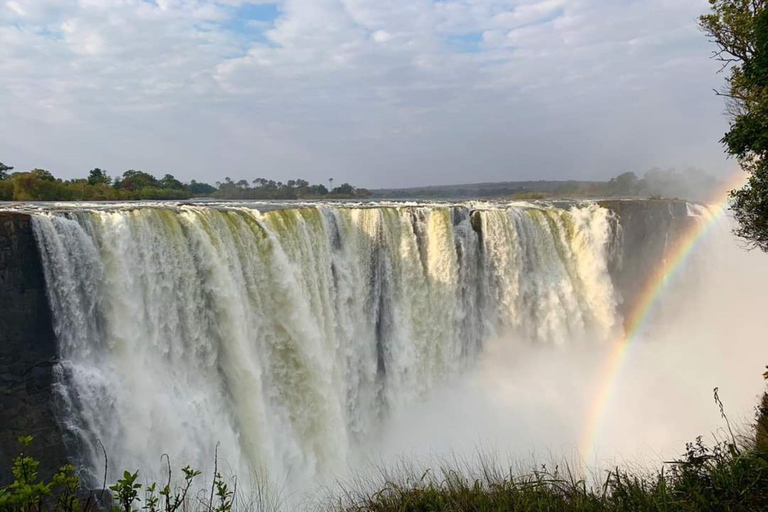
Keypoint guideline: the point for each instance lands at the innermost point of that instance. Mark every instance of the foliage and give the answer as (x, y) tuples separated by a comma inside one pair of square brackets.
[(99, 177), (624, 184), (739, 28), (42, 175), (731, 475), (126, 491), (200, 188), (29, 493), (705, 479), (136, 180), (42, 185), (761, 423), (170, 182), (690, 183), (64, 492), (292, 189), (224, 495), (4, 171), (344, 188)]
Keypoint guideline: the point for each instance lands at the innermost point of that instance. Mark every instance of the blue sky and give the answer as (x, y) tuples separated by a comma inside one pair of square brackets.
[(377, 93), (251, 20)]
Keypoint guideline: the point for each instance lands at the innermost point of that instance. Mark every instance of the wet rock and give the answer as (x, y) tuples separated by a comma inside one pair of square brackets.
[(649, 232), (27, 351)]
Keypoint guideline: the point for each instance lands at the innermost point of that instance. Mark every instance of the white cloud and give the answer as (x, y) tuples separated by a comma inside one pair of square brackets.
[(16, 8), (379, 93), (527, 13), (381, 36)]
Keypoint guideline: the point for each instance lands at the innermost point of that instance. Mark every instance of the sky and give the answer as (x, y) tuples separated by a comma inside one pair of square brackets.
[(379, 93)]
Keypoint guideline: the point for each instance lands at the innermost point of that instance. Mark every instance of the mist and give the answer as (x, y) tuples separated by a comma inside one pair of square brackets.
[(691, 183), (304, 378), (529, 404)]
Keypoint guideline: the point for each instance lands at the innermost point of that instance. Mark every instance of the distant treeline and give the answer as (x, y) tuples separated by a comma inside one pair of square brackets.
[(291, 189), (689, 184), (42, 185)]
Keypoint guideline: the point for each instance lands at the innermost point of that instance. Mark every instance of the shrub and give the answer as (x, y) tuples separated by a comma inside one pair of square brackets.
[(731, 475)]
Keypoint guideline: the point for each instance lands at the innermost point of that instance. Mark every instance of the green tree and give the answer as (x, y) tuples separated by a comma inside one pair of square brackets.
[(136, 180), (345, 189), (4, 171), (624, 184), (317, 190), (98, 177), (42, 175), (170, 182), (200, 188), (739, 28)]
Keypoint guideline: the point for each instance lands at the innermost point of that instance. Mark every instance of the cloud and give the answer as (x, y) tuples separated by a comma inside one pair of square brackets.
[(378, 93)]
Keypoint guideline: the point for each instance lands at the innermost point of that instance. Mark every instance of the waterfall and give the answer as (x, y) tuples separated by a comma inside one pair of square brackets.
[(288, 336)]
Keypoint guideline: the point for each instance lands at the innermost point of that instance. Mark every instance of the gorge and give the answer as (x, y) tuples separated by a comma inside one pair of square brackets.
[(281, 337)]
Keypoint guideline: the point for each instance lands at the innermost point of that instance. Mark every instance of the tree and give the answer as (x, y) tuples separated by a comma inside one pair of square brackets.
[(170, 182), (199, 188), (4, 171), (136, 180), (317, 190), (624, 184), (345, 189), (42, 175), (739, 28), (98, 177)]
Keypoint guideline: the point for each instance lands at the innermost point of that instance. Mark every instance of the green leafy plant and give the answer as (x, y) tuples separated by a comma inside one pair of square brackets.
[(126, 491), (27, 492), (729, 475)]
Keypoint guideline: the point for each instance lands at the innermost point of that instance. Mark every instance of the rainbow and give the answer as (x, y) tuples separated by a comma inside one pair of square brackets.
[(636, 319)]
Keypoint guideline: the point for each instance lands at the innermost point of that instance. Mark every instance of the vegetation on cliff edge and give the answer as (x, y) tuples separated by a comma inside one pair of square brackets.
[(42, 185), (739, 28)]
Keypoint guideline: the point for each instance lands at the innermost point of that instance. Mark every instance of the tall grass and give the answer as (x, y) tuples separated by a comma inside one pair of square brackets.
[(730, 474), (724, 477)]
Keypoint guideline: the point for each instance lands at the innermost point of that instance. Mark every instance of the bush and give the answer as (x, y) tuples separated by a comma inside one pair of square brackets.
[(730, 476), (6, 190)]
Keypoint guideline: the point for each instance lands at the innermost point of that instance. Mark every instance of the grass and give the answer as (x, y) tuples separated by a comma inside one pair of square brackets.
[(731, 475), (721, 478)]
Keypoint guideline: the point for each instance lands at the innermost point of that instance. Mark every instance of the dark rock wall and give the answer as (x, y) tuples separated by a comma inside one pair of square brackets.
[(27, 350), (649, 231)]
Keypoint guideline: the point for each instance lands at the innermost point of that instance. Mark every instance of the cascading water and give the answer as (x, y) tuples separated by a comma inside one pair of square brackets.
[(288, 336)]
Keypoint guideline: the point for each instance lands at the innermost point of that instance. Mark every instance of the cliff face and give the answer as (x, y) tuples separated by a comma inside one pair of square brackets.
[(27, 350), (649, 230), (28, 343)]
